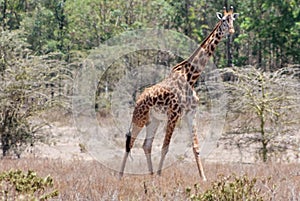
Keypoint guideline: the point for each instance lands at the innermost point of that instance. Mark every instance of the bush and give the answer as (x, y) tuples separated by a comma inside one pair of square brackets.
[(17, 185), (29, 86), (232, 188)]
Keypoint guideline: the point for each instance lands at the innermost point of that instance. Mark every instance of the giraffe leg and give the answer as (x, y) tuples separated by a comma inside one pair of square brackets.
[(130, 138), (165, 148), (197, 157), (151, 129), (192, 125)]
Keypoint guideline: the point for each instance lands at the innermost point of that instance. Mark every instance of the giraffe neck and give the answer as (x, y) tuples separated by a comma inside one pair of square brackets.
[(207, 47), (192, 67)]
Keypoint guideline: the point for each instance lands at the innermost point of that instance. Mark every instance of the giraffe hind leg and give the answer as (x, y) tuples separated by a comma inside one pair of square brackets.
[(130, 138), (151, 129)]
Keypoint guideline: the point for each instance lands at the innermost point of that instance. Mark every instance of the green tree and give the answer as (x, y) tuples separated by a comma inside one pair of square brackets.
[(93, 22), (46, 27), (267, 35), (11, 13)]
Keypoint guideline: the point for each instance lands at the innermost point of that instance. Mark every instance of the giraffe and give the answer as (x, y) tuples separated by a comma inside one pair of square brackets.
[(174, 97)]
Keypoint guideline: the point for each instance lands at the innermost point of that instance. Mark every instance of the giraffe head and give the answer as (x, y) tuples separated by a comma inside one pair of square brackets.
[(227, 20)]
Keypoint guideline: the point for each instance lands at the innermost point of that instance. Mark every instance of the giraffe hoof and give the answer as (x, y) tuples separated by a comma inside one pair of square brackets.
[(120, 175)]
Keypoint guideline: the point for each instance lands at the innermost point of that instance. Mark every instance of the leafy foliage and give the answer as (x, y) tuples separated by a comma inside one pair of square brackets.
[(268, 36), (228, 188), (19, 185), (269, 41)]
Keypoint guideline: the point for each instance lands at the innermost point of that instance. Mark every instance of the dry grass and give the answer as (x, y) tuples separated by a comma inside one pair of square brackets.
[(89, 180)]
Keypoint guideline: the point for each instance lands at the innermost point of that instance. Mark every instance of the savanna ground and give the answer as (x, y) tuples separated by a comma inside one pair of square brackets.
[(89, 180), (78, 177)]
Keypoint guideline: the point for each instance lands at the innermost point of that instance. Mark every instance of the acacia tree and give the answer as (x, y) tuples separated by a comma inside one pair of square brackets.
[(266, 107), (25, 93)]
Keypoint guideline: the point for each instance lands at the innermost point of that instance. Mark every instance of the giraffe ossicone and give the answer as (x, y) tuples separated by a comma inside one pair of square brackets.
[(175, 97)]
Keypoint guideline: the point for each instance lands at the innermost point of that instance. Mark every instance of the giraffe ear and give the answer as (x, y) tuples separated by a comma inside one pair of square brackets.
[(219, 15), (235, 16)]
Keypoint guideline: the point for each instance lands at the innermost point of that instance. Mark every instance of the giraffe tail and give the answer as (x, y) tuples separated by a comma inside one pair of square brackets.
[(128, 139)]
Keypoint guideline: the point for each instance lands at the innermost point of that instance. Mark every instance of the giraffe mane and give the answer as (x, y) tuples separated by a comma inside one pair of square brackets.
[(211, 33)]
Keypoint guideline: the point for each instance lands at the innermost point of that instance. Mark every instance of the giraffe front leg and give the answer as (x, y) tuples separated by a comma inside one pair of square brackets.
[(197, 157), (165, 148), (192, 125), (151, 129)]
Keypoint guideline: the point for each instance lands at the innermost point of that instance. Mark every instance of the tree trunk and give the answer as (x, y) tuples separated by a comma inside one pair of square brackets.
[(4, 14), (229, 54), (264, 139)]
